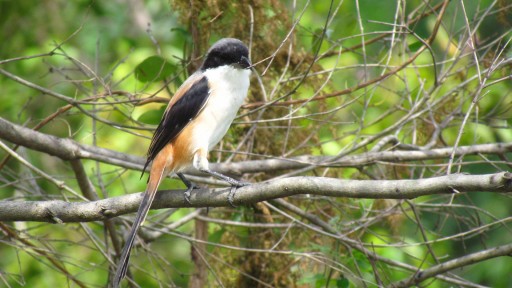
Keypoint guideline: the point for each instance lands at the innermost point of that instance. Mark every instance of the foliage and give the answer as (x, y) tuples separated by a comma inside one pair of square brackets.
[(332, 78)]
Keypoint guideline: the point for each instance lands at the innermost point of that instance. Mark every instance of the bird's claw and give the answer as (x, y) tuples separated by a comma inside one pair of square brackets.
[(187, 196), (231, 195), (187, 193)]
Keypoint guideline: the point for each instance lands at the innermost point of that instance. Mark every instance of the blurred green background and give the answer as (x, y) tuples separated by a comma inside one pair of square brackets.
[(95, 51)]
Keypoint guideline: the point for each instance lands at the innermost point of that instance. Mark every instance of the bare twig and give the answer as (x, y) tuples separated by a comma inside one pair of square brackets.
[(422, 275)]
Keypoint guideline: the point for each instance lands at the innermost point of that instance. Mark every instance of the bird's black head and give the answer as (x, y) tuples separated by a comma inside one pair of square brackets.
[(227, 51)]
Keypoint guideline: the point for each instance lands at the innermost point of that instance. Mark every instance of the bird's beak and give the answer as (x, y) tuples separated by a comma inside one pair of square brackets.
[(245, 62)]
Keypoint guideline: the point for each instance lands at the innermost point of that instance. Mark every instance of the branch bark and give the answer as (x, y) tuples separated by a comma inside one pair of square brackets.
[(444, 267), (65, 149), (61, 211), (68, 149)]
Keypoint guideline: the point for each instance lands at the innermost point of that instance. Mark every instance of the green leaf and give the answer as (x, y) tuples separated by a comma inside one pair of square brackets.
[(154, 68), (216, 236), (413, 47), (179, 31), (342, 282), (152, 117), (316, 280), (316, 41)]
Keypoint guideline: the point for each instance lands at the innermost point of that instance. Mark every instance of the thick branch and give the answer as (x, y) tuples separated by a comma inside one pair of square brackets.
[(64, 148), (60, 211), (68, 149)]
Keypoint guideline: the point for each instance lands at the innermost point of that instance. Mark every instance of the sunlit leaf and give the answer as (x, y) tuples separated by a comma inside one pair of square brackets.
[(316, 41), (342, 282), (152, 117), (413, 47), (154, 68)]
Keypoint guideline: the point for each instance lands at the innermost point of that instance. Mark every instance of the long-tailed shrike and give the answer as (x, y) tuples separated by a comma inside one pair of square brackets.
[(195, 120)]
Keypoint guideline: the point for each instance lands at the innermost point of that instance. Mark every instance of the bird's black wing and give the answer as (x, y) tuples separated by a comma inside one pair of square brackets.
[(178, 115)]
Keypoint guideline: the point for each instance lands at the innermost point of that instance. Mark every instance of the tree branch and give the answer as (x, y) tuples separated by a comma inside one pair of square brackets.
[(61, 211), (454, 264), (64, 148), (68, 149)]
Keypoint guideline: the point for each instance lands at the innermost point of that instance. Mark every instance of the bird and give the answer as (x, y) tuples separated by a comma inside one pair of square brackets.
[(195, 120)]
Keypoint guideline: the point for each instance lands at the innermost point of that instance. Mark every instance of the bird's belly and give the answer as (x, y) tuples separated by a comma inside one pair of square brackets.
[(216, 119)]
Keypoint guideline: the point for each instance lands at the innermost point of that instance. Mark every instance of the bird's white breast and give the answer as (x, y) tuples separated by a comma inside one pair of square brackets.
[(228, 89)]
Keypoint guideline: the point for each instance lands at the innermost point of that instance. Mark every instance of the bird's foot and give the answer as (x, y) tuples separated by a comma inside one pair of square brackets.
[(234, 187), (187, 193)]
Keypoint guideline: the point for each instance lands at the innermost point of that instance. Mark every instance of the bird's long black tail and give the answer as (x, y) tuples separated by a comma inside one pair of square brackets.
[(149, 195)]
